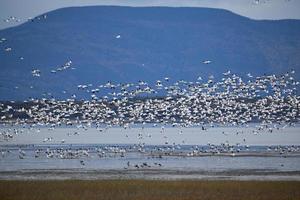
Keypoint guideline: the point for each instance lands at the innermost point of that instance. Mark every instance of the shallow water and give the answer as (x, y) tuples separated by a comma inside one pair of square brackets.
[(169, 152), (258, 158), (154, 136)]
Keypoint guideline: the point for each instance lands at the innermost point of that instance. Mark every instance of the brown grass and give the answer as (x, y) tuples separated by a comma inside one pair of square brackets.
[(146, 190)]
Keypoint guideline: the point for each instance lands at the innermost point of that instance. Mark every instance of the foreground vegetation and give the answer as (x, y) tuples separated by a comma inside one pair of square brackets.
[(144, 189)]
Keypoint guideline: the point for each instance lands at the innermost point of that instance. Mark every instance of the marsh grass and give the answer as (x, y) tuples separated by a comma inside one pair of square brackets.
[(146, 190)]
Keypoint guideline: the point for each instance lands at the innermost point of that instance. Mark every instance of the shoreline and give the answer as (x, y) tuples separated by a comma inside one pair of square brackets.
[(151, 174)]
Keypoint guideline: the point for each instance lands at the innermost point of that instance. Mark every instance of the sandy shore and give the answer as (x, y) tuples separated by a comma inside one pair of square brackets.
[(149, 174)]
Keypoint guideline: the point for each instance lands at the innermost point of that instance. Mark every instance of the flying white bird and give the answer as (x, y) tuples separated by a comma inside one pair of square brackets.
[(207, 61)]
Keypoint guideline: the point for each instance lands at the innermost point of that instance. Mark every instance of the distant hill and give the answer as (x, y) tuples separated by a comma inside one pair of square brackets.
[(124, 44)]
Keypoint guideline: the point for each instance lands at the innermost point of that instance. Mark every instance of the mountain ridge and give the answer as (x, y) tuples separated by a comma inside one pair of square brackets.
[(154, 42)]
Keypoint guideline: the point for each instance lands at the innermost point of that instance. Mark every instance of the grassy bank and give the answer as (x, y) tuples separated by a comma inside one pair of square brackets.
[(144, 190)]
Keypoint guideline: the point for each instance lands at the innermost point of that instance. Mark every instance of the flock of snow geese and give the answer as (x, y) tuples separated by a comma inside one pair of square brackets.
[(272, 101), (269, 99)]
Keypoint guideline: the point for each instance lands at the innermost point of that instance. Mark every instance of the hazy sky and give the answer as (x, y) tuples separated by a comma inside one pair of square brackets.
[(264, 9)]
